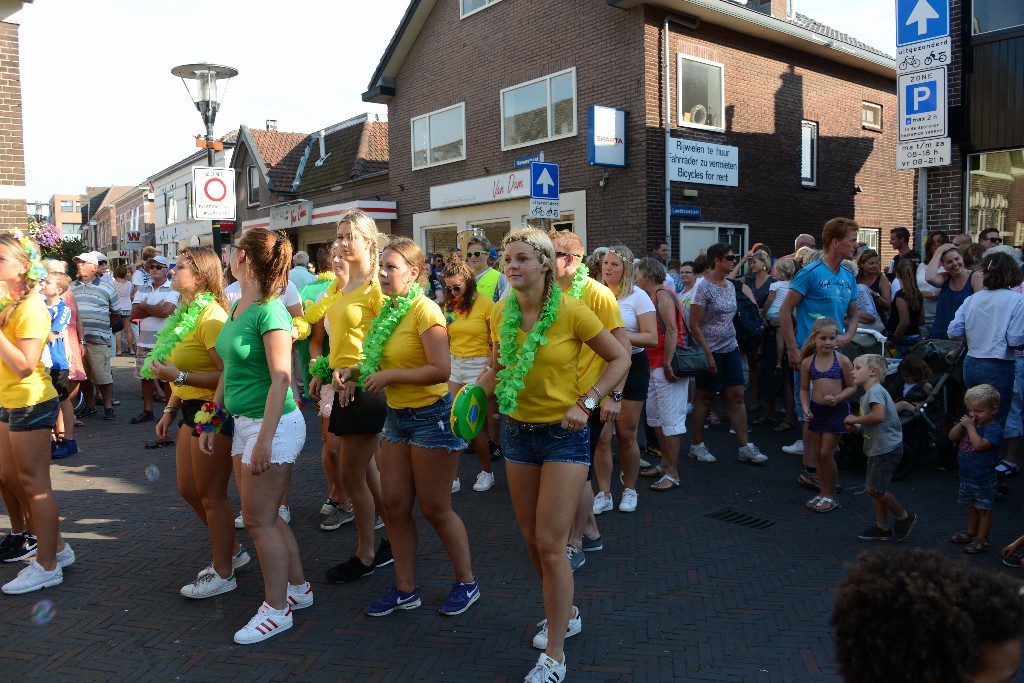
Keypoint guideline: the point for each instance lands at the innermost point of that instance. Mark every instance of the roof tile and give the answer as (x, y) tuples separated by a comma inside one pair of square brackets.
[(281, 153)]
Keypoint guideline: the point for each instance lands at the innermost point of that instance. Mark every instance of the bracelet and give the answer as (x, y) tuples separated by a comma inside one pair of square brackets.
[(170, 410), (320, 367), (584, 408), (211, 418), (600, 396)]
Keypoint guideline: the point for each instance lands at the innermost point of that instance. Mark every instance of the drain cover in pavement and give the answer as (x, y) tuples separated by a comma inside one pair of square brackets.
[(728, 514)]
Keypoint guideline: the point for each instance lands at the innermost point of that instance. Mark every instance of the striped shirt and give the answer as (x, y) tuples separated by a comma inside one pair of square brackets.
[(96, 301)]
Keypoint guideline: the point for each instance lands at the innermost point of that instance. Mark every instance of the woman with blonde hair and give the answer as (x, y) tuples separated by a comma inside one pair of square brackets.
[(545, 436)]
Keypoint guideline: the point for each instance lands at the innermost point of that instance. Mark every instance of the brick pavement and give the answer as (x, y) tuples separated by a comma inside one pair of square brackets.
[(675, 595)]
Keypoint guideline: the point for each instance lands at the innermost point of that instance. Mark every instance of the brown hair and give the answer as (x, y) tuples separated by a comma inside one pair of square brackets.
[(837, 229), (915, 368), (269, 256), (209, 276), (906, 271), (121, 272), (148, 253), (28, 287), (1001, 271), (819, 325), (929, 248), (459, 269), (413, 255)]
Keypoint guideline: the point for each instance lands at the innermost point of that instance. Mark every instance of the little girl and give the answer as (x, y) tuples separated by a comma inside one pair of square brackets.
[(914, 372), (777, 291), (826, 382), (28, 413)]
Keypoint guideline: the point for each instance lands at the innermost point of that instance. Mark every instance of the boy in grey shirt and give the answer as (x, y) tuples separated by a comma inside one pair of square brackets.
[(883, 445)]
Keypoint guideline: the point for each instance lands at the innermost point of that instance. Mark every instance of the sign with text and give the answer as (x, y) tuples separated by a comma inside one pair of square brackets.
[(544, 185), (931, 152), (495, 188), (921, 56), (685, 211), (606, 136), (690, 161), (291, 215), (213, 194), (922, 99), (524, 162)]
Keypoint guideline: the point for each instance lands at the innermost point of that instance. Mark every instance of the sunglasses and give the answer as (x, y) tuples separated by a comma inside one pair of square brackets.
[(156, 267), (731, 257), (476, 253), (455, 289), (997, 240)]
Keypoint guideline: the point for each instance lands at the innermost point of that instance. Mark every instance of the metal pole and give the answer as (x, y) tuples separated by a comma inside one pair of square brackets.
[(922, 209), (211, 162)]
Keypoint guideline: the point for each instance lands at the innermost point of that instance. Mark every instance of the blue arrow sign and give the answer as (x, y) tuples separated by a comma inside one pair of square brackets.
[(543, 180), (920, 20)]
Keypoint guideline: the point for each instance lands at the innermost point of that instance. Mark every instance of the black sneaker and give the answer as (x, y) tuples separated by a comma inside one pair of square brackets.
[(88, 412), (901, 529), (495, 451), (9, 541), (21, 549), (383, 556), (349, 571), (874, 533), (108, 414)]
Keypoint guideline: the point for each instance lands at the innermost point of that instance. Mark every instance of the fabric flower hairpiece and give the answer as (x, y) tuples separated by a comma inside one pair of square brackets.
[(36, 270)]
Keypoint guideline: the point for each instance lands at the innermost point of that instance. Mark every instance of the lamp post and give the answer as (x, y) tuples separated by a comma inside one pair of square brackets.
[(201, 82)]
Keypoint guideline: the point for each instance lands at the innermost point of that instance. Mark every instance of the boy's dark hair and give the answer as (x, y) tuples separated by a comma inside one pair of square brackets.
[(916, 368), (917, 615), (902, 233)]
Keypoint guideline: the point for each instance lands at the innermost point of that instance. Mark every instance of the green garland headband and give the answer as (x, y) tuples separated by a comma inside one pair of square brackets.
[(516, 362), (179, 324), (579, 280), (381, 329)]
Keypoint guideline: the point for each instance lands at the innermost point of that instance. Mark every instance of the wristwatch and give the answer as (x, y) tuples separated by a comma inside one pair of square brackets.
[(588, 402), (616, 396), (180, 380)]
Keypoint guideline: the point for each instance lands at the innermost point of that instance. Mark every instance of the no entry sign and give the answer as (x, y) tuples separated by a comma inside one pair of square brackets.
[(213, 193)]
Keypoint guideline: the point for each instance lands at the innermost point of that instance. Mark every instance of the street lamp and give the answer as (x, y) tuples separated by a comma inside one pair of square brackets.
[(201, 82)]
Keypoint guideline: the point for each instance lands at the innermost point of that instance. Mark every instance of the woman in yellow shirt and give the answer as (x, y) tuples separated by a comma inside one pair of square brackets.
[(545, 438), (28, 411), (470, 339), (189, 361), (406, 357)]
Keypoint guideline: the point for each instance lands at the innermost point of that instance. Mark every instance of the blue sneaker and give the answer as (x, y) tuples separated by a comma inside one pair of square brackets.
[(392, 600), (462, 596), (592, 544)]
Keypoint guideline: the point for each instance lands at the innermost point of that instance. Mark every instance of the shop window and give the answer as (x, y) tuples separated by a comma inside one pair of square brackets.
[(252, 184), (995, 186), (439, 137), (701, 94), (441, 240), (869, 237), (809, 153), (474, 6), (993, 15), (494, 231), (542, 109), (871, 116)]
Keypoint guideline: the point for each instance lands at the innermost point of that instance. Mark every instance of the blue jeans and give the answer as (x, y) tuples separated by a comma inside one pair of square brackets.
[(535, 444), (1014, 422), (426, 427), (997, 372)]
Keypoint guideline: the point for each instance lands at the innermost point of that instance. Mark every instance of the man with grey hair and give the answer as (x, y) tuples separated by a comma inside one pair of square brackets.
[(802, 240), (961, 241), (300, 275)]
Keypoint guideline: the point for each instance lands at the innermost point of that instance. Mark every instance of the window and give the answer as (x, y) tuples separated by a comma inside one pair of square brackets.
[(871, 116), (170, 208), (869, 237), (992, 15), (66, 205), (701, 93), (78, 207), (439, 137), (809, 153), (995, 184), (252, 185), (543, 109), (188, 201), (474, 6)]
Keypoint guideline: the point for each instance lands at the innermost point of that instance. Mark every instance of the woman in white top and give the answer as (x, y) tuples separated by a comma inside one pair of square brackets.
[(638, 318)]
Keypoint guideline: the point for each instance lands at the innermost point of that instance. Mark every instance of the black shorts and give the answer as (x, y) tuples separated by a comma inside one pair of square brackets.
[(364, 415), (40, 416), (188, 418), (60, 383), (638, 378)]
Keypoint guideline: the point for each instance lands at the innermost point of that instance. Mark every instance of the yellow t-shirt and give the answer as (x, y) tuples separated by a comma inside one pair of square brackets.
[(602, 302), (405, 350), (470, 335), (30, 320), (192, 353), (551, 384), (350, 316)]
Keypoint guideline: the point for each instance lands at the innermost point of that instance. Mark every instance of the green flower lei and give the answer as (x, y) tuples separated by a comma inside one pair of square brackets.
[(381, 329), (578, 281), (179, 324), (321, 367), (516, 362)]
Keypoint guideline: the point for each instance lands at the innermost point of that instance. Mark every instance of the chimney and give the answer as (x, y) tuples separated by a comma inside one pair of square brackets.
[(781, 9), (323, 146), (272, 124)]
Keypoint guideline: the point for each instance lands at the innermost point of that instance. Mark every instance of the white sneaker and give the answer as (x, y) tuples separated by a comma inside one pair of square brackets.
[(700, 453), (546, 670), (628, 501), (32, 578), (238, 560), (796, 448), (540, 641), (603, 502), (286, 513), (239, 522), (66, 557), (751, 454), (268, 622), (208, 585), (484, 481), (300, 596), (456, 485)]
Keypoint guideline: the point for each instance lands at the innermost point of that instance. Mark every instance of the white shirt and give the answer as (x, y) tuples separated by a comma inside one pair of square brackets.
[(149, 326), (631, 306), (233, 293), (995, 320)]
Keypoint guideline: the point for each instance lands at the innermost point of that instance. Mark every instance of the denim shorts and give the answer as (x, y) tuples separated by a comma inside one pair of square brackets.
[(881, 468), (979, 494), (535, 444), (729, 373), (997, 372), (40, 416), (426, 427)]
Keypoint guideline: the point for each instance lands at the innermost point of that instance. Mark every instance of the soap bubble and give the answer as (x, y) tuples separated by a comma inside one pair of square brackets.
[(43, 612), (152, 473)]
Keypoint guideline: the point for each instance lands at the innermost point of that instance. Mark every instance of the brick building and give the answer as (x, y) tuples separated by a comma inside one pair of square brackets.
[(66, 214), (301, 183), (103, 235), (134, 215), (799, 118), (12, 160)]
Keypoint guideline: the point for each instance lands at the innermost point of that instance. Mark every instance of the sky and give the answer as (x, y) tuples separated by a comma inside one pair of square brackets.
[(102, 108)]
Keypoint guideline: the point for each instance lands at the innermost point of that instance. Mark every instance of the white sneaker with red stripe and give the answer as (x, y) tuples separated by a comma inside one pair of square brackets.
[(300, 596), (268, 622)]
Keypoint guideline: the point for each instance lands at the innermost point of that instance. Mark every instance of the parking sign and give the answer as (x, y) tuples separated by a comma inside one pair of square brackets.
[(922, 98)]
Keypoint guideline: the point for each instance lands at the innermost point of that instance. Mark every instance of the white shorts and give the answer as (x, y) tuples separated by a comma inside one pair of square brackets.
[(466, 370), (666, 403), (285, 446)]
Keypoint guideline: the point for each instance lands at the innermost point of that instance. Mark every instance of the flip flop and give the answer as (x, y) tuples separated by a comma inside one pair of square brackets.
[(652, 471), (158, 444), (978, 545), (666, 483), (826, 504), (961, 537)]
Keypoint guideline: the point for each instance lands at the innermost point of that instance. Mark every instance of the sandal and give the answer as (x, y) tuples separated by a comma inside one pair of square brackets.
[(827, 504), (713, 419), (652, 471), (666, 483), (144, 416), (1007, 469), (1013, 560), (782, 427), (978, 545), (961, 537), (812, 503), (763, 420)]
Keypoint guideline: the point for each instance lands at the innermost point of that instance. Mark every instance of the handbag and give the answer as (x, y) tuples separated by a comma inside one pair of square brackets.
[(689, 359)]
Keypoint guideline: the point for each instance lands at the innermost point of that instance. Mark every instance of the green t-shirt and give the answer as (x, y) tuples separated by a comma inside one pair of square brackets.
[(240, 346)]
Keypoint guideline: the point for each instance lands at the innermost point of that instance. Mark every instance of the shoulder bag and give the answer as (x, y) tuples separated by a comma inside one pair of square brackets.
[(689, 359)]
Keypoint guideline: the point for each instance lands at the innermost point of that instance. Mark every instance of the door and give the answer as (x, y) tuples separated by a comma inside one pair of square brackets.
[(695, 238)]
